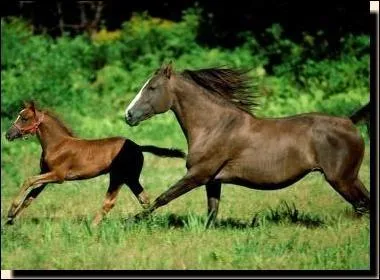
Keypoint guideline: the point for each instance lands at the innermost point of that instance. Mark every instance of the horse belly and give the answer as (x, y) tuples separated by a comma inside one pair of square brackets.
[(85, 170), (266, 173), (89, 165)]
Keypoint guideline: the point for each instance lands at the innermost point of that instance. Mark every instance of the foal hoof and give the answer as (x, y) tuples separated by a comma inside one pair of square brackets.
[(10, 221), (145, 205)]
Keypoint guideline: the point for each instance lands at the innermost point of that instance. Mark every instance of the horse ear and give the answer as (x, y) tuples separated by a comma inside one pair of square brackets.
[(168, 70), (30, 105), (33, 106)]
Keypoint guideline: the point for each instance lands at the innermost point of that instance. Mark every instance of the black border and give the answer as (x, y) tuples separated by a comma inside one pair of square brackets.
[(190, 273), (374, 223), (374, 153)]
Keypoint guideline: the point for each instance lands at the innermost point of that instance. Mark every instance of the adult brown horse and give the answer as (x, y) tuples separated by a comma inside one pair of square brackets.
[(228, 144), (66, 157)]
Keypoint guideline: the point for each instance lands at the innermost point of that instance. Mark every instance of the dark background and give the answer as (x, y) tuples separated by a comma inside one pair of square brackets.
[(221, 21)]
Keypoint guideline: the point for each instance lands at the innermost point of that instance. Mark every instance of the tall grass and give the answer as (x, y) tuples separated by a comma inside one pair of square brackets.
[(305, 226)]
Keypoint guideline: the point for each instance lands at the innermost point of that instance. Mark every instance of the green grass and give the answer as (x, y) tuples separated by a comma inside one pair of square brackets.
[(305, 226)]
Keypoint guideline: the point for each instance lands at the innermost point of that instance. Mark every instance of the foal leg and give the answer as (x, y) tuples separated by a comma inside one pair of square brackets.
[(130, 166), (109, 201), (139, 192), (30, 184), (32, 195), (213, 198)]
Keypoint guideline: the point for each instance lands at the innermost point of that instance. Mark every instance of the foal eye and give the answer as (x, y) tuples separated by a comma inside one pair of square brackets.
[(151, 87)]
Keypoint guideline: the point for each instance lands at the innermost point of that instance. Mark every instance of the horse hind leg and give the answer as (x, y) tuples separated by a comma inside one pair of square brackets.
[(362, 204), (354, 192), (343, 177), (340, 158)]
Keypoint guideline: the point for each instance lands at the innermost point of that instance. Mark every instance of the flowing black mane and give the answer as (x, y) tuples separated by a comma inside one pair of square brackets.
[(59, 122), (233, 85)]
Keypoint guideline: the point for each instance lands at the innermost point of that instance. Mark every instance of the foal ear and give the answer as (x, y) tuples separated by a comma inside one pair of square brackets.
[(168, 70), (30, 105)]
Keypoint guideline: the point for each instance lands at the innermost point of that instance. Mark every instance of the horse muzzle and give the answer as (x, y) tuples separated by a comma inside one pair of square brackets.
[(12, 134), (129, 119), (132, 118)]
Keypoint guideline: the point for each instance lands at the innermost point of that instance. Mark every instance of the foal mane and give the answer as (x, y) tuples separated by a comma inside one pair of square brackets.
[(233, 85), (58, 121)]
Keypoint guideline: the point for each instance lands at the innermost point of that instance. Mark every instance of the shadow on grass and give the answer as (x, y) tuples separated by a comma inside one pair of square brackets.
[(74, 220), (282, 214), (290, 214), (48, 220)]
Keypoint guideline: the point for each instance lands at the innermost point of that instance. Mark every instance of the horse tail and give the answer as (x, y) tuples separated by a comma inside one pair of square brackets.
[(361, 114), (163, 152)]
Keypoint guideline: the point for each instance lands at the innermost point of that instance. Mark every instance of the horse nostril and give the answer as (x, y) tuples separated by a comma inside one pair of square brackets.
[(128, 116)]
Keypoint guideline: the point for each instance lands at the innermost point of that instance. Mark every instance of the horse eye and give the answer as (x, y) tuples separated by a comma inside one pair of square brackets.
[(151, 87)]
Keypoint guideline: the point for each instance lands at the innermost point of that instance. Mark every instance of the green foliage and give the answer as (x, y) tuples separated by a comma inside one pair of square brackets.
[(55, 73), (81, 72), (157, 39)]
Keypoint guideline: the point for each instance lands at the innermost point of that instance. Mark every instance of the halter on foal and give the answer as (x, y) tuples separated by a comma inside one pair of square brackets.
[(65, 157)]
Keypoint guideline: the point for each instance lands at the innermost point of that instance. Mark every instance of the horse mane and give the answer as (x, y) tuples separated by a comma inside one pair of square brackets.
[(59, 121), (233, 85)]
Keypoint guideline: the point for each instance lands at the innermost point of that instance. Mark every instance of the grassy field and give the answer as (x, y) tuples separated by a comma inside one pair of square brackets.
[(305, 226)]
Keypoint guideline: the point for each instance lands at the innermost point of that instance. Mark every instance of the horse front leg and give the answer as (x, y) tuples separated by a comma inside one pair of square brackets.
[(190, 181), (30, 184), (213, 197)]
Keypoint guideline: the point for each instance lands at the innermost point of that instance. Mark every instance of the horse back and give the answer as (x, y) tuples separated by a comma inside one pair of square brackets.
[(273, 153)]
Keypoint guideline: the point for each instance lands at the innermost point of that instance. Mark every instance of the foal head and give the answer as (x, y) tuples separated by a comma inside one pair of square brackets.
[(27, 122), (153, 98)]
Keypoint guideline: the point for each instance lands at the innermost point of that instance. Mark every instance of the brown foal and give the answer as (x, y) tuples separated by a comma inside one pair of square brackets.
[(65, 157)]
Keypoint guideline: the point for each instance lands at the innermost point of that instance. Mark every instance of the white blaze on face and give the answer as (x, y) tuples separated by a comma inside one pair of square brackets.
[(138, 96), (19, 115)]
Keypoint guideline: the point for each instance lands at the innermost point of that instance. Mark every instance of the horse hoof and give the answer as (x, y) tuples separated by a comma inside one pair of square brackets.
[(130, 221), (137, 218), (142, 215), (360, 211)]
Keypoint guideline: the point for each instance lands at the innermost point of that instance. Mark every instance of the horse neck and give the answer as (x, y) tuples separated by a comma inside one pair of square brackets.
[(50, 133), (196, 110)]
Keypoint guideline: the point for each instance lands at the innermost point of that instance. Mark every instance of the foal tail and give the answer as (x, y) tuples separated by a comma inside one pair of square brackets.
[(163, 152)]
